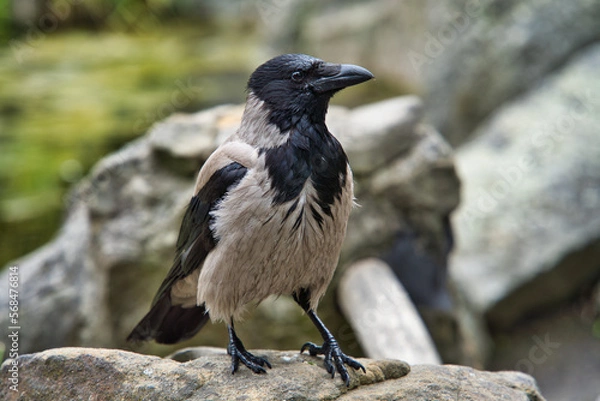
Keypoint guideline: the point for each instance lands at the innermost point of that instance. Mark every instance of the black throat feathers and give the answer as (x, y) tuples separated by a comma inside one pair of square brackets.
[(310, 153)]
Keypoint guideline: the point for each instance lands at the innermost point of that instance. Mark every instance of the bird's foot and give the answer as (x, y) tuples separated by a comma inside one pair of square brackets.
[(239, 354), (335, 359)]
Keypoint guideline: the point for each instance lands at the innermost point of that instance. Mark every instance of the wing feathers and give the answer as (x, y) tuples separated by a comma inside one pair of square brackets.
[(227, 153), (168, 322)]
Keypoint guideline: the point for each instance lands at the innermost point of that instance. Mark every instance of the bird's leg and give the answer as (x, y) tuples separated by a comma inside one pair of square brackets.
[(331, 350), (239, 354), (335, 359)]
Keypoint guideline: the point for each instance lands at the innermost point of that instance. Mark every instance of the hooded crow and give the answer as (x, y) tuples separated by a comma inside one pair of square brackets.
[(268, 215)]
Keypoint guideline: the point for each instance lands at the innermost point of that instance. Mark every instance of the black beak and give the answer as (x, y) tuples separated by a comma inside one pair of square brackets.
[(342, 76)]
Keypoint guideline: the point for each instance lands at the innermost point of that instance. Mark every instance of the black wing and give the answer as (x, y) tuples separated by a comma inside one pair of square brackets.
[(168, 323)]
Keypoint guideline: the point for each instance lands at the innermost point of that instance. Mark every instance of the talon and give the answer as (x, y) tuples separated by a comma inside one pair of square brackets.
[(344, 375), (313, 349), (334, 359), (252, 362), (345, 379), (238, 353), (235, 363), (355, 364), (330, 348), (330, 368), (265, 362)]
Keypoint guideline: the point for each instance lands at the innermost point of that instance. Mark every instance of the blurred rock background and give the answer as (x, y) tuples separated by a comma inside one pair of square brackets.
[(512, 86)]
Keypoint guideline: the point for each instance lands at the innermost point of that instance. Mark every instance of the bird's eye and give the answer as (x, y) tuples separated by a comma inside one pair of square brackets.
[(297, 76)]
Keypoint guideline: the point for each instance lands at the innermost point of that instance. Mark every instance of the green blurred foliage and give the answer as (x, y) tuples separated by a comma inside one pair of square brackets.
[(71, 95)]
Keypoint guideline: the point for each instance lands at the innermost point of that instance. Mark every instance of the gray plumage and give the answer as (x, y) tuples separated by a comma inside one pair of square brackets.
[(268, 214)]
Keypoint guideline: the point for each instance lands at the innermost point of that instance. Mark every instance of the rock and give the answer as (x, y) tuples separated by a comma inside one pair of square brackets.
[(123, 219), (423, 276), (108, 374), (422, 178), (382, 315), (413, 194), (528, 228), (376, 34), (72, 294), (467, 57), (482, 54), (561, 349), (192, 136), (376, 134), (392, 38), (462, 383)]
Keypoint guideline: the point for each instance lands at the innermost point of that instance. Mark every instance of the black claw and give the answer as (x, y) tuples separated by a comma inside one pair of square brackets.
[(258, 361), (355, 365), (252, 362), (332, 352), (313, 349), (330, 348), (238, 353), (235, 363)]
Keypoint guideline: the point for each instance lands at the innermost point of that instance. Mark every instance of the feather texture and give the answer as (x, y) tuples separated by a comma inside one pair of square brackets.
[(269, 210)]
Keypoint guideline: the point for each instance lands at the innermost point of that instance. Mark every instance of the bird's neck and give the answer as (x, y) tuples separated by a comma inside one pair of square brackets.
[(309, 154), (261, 129), (295, 152)]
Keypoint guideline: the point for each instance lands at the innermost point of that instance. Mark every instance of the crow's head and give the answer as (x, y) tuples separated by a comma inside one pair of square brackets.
[(293, 85)]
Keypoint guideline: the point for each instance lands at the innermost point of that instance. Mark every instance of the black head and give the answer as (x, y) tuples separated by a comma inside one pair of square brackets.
[(293, 85)]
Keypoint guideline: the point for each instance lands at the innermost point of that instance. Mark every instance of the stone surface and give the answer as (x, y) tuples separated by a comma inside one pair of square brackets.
[(451, 382), (528, 228), (560, 349), (358, 31), (106, 374), (466, 57), (99, 275), (482, 53), (413, 194), (376, 134), (59, 283), (375, 34), (193, 136), (382, 315)]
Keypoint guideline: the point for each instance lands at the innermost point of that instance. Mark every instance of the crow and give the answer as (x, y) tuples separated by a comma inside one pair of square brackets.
[(268, 215)]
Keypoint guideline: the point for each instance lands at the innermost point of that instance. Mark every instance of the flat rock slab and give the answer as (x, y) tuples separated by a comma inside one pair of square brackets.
[(110, 374)]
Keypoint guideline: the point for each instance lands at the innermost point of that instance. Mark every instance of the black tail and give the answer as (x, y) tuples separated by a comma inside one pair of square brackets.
[(169, 324)]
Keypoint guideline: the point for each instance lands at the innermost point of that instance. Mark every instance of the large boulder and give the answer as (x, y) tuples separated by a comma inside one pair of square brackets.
[(466, 57), (528, 228), (560, 349), (483, 53), (91, 284), (200, 374)]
